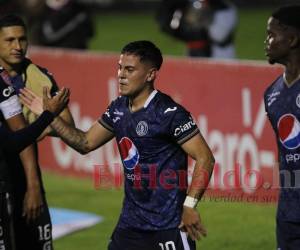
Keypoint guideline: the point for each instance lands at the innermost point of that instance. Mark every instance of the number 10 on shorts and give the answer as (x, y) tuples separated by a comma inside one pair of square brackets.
[(169, 245)]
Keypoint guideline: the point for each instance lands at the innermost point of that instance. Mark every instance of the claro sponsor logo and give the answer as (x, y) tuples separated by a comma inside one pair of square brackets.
[(182, 128)]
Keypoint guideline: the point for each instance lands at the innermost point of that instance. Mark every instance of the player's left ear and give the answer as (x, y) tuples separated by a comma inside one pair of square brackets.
[(151, 75)]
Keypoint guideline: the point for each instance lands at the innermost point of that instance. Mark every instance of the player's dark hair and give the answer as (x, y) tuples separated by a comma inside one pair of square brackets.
[(11, 20), (146, 51), (288, 15)]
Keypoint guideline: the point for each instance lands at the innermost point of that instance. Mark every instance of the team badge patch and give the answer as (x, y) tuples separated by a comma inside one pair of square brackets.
[(142, 128)]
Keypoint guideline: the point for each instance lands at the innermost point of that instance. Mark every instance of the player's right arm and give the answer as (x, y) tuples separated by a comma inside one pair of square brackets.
[(82, 142)]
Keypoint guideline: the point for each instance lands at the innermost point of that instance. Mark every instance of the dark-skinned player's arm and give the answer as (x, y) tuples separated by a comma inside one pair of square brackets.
[(196, 148)]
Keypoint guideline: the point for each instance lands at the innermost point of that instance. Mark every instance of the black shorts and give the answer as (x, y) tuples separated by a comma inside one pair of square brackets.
[(36, 235), (288, 235), (173, 239), (6, 223)]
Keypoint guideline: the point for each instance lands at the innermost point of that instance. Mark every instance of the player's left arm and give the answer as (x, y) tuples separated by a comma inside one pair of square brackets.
[(18, 140), (196, 148)]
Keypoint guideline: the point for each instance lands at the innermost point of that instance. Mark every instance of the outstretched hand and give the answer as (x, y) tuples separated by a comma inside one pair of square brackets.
[(37, 104), (31, 101), (57, 103), (191, 223)]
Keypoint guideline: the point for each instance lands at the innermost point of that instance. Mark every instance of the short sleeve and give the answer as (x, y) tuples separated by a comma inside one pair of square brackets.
[(268, 100), (183, 126), (265, 102), (106, 119)]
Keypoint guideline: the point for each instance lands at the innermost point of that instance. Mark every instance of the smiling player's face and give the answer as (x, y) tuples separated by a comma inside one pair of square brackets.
[(134, 76)]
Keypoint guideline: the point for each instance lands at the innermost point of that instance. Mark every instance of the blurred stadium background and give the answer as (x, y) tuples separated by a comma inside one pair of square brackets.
[(119, 21), (231, 225)]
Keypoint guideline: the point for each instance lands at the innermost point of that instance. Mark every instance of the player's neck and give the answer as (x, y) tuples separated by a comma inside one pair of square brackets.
[(137, 102), (292, 69), (291, 75)]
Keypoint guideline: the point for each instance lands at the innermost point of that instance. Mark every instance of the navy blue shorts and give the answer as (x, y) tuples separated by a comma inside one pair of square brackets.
[(288, 235), (173, 239)]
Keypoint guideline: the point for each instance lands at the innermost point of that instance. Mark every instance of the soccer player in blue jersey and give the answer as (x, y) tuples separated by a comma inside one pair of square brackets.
[(155, 135), (282, 103)]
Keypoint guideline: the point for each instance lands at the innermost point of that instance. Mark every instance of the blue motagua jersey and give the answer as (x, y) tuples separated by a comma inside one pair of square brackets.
[(282, 103), (155, 166)]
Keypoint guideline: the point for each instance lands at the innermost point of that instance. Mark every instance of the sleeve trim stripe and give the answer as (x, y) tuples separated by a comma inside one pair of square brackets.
[(105, 125), (189, 136)]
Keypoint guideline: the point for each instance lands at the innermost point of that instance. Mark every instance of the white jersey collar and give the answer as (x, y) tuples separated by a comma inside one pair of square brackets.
[(149, 99)]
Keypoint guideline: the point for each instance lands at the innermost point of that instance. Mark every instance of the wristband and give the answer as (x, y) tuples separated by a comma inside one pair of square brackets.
[(190, 202)]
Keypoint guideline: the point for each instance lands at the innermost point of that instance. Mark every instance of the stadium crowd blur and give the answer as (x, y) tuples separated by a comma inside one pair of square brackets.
[(54, 23), (206, 26)]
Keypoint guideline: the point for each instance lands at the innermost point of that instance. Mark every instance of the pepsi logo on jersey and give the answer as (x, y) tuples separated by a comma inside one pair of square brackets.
[(129, 153), (289, 131)]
